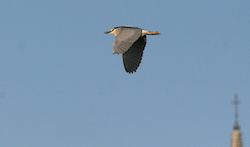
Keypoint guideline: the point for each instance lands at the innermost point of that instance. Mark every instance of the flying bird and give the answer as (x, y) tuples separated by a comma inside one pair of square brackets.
[(130, 42)]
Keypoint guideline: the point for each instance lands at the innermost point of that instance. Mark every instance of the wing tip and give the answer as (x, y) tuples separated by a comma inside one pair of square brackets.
[(130, 72)]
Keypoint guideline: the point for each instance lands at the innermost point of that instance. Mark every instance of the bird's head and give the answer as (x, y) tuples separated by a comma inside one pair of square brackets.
[(114, 31)]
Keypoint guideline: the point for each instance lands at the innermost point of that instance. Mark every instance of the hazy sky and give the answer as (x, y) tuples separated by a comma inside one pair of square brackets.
[(61, 86)]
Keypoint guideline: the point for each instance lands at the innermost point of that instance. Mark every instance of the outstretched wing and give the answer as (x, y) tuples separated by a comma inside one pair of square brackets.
[(125, 39), (132, 58)]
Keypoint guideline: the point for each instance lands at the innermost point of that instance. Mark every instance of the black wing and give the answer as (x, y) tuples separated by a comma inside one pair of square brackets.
[(132, 58)]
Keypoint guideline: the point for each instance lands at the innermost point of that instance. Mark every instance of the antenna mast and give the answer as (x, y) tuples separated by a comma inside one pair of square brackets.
[(236, 115)]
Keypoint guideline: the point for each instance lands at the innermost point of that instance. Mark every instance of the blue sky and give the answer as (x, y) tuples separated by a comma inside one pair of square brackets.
[(60, 85)]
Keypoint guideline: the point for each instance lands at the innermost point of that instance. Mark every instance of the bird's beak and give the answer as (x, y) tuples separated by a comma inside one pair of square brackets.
[(107, 32)]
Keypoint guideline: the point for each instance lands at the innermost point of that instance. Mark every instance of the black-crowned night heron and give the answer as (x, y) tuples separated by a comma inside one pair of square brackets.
[(130, 42)]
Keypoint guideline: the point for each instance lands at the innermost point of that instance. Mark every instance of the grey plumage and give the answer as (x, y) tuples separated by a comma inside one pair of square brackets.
[(130, 42)]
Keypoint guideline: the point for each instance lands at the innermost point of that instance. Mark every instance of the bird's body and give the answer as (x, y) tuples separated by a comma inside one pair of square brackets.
[(130, 42)]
